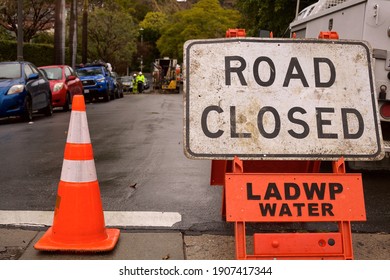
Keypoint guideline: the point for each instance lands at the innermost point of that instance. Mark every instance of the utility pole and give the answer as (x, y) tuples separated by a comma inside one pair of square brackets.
[(20, 31), (141, 51), (84, 38), (59, 32), (73, 33), (297, 10)]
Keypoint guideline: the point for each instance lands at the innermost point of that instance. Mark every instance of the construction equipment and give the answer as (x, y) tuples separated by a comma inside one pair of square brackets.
[(166, 74), (366, 20)]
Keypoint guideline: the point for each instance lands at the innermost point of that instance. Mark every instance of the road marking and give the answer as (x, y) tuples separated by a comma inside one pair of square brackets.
[(112, 218)]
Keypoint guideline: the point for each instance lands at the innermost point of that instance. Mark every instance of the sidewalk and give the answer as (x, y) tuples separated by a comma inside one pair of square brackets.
[(18, 244)]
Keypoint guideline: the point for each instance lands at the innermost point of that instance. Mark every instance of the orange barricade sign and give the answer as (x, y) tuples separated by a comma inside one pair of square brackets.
[(294, 197)]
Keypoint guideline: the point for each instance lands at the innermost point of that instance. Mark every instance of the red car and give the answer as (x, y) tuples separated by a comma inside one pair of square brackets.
[(64, 83)]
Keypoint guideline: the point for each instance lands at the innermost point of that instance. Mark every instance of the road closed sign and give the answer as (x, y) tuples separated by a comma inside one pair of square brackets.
[(280, 99)]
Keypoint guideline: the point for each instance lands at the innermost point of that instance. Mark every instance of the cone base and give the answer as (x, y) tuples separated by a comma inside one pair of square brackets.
[(46, 243)]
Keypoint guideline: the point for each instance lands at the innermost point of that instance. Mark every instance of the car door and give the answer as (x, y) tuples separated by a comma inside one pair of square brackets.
[(33, 87), (72, 83), (44, 93)]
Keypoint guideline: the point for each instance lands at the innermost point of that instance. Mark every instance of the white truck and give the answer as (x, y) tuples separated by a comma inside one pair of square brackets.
[(367, 20)]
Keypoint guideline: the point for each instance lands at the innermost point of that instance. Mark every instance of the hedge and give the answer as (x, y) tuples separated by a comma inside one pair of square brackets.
[(38, 54)]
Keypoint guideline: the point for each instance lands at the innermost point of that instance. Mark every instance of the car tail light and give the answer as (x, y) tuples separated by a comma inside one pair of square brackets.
[(385, 110)]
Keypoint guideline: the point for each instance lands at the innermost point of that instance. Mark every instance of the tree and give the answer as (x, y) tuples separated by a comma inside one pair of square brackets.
[(272, 15), (112, 37), (84, 36), (38, 16), (206, 19), (152, 28), (73, 33)]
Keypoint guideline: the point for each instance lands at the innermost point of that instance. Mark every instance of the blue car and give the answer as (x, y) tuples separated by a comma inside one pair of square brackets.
[(23, 90), (97, 82)]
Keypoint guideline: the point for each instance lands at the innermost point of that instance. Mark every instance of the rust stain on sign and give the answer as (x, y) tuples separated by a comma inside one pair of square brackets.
[(280, 99)]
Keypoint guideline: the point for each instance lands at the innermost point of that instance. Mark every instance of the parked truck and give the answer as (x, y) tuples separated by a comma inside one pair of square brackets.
[(367, 20), (97, 81), (166, 74)]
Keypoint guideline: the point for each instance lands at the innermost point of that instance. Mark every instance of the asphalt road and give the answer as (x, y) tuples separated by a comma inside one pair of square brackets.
[(140, 163)]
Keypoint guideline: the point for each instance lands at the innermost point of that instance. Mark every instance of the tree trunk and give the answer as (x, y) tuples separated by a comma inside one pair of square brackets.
[(20, 31), (84, 39), (73, 33), (59, 32)]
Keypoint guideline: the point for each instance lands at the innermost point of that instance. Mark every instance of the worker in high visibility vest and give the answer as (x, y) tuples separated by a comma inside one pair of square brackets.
[(140, 82)]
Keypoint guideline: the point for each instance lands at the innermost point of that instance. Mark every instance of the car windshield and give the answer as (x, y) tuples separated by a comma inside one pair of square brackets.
[(89, 71), (53, 73), (10, 71)]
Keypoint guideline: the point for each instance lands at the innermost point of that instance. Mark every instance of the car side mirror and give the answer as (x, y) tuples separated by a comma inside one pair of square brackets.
[(33, 76), (71, 78)]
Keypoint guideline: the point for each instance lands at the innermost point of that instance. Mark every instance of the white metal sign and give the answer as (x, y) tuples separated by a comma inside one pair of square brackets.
[(280, 99)]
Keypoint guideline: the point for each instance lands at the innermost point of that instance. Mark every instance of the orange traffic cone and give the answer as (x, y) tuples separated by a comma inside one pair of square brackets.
[(78, 223)]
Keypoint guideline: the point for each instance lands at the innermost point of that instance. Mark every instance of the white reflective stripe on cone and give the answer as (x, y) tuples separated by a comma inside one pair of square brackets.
[(78, 132), (78, 171)]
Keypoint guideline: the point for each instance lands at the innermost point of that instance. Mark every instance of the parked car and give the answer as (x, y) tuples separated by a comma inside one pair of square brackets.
[(97, 82), (146, 84), (127, 82), (23, 90), (118, 85), (64, 84)]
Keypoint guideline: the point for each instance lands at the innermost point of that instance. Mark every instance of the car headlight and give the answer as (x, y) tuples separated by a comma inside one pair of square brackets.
[(15, 89), (101, 80), (58, 86)]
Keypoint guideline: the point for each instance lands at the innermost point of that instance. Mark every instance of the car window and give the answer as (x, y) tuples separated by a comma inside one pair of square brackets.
[(53, 73), (72, 72), (67, 72), (27, 70), (34, 69), (10, 71), (89, 71)]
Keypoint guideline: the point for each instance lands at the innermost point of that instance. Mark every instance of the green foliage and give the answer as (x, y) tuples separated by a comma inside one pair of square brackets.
[(154, 21), (272, 15), (112, 37), (44, 38), (206, 19), (38, 54), (5, 34), (8, 50), (137, 9)]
